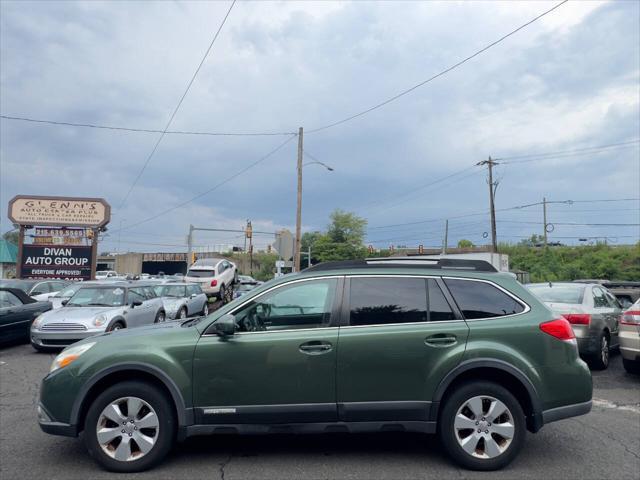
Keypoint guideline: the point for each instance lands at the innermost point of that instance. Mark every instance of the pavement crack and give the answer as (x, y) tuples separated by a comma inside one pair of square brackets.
[(224, 465), (609, 436)]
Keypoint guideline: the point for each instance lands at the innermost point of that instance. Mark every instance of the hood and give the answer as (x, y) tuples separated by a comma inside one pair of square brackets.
[(79, 314), (172, 302)]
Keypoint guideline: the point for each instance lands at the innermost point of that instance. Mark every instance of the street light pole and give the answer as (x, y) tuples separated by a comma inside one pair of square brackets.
[(296, 258)]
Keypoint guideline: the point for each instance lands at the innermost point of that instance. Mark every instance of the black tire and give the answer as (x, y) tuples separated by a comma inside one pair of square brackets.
[(600, 359), (631, 366), (165, 435), (222, 294), (205, 309), (449, 436), (235, 277), (161, 316), (119, 325), (182, 313)]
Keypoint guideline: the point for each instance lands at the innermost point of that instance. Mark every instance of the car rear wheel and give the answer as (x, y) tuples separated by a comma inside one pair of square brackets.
[(160, 316), (482, 426), (631, 366), (130, 427), (600, 359), (222, 294)]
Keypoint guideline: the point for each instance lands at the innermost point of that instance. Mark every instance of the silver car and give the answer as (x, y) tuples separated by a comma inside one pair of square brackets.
[(95, 309), (182, 299), (630, 338), (593, 312)]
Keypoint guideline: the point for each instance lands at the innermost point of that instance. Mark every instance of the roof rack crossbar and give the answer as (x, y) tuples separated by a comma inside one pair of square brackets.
[(406, 262)]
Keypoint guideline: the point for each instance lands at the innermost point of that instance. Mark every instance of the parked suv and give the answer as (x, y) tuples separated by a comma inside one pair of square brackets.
[(447, 346), (216, 277), (97, 308)]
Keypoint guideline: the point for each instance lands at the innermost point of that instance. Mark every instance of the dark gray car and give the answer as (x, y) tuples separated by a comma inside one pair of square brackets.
[(593, 312)]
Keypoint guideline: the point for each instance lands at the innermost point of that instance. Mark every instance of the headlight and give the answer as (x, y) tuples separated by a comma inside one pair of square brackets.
[(37, 322), (69, 356), (100, 320)]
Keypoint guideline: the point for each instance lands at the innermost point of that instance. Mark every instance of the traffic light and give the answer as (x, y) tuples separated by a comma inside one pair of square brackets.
[(249, 230)]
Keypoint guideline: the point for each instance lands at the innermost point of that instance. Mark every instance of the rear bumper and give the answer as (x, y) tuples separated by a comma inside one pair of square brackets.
[(629, 343), (566, 411)]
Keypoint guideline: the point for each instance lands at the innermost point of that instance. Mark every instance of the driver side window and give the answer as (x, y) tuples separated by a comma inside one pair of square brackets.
[(295, 306)]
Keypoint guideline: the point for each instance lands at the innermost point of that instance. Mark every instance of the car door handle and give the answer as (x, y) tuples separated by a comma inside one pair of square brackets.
[(441, 340), (315, 347)]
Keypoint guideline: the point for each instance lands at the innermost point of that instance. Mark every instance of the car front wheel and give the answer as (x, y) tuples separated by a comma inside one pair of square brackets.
[(482, 426), (160, 317), (130, 427)]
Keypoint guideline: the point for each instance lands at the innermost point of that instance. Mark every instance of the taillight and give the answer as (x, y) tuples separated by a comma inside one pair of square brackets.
[(558, 328), (578, 318), (630, 317), (214, 283)]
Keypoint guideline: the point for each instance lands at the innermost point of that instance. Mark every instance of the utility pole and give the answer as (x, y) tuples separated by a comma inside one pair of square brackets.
[(309, 257), (544, 218), (445, 240), (296, 258), (492, 192), (189, 246)]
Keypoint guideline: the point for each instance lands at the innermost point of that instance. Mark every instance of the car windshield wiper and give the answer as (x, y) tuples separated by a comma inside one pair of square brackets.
[(98, 305)]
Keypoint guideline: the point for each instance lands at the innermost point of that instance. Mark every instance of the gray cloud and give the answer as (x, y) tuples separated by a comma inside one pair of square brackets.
[(278, 66)]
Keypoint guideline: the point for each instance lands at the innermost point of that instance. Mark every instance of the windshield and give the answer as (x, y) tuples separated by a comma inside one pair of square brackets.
[(201, 273), (558, 293), (98, 297), (68, 291), (169, 290)]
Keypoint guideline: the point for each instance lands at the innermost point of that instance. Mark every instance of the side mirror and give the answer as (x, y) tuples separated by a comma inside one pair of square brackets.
[(64, 302), (193, 295), (225, 325), (136, 303)]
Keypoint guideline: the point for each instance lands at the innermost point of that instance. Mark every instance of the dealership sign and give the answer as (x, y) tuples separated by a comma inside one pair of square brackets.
[(65, 262), (59, 211)]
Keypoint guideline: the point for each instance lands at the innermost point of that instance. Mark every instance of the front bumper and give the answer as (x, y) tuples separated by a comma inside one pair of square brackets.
[(566, 411), (60, 339), (52, 427)]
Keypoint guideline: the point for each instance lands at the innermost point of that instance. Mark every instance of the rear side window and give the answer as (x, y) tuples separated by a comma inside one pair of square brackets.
[(439, 308), (482, 300), (376, 301)]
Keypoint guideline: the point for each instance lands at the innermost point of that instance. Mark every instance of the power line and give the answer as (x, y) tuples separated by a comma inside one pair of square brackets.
[(443, 72), (215, 187), (586, 150), (143, 130), (486, 212), (175, 110)]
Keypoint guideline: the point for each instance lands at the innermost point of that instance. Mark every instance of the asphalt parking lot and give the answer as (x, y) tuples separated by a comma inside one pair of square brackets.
[(603, 444)]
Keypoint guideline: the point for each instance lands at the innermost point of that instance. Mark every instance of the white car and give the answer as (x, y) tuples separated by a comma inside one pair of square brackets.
[(182, 299), (216, 277), (104, 274)]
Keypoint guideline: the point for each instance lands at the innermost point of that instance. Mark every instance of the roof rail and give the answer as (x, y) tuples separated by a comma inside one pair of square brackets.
[(406, 262)]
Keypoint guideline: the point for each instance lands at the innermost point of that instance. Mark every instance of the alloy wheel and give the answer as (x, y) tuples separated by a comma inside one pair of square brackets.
[(127, 429), (205, 310), (183, 314), (484, 427), (604, 350)]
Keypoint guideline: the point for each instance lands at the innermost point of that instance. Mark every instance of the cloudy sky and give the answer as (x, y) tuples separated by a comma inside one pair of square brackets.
[(565, 83)]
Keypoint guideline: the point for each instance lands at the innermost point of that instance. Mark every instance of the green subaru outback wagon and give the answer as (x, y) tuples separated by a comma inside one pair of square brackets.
[(445, 346)]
